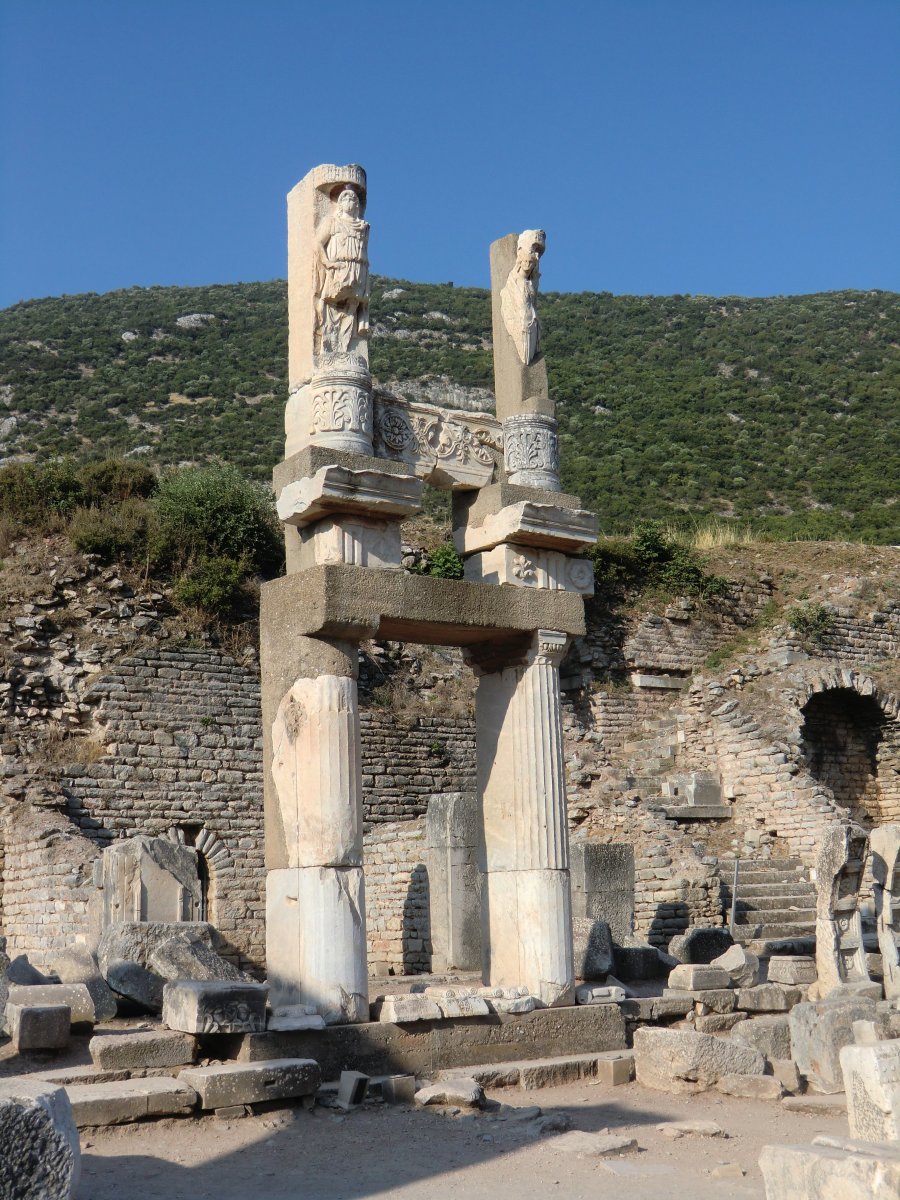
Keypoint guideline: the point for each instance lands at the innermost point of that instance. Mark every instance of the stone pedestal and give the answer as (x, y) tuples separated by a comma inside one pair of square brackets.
[(454, 881), (526, 904)]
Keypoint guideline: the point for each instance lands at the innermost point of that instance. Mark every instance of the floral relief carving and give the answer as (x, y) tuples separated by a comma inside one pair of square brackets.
[(338, 407)]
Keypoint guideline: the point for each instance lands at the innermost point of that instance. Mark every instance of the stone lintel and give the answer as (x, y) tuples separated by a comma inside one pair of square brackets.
[(345, 602), (527, 523), (307, 462), (675, 682), (336, 489), (473, 508)]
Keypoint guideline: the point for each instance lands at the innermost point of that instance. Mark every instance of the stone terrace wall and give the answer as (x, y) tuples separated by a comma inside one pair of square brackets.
[(397, 898)]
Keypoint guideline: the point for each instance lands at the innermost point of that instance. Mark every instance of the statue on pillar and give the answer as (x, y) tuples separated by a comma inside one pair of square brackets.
[(518, 296), (341, 280)]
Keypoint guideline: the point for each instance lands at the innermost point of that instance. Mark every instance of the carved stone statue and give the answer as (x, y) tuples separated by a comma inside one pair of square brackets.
[(342, 277), (519, 295)]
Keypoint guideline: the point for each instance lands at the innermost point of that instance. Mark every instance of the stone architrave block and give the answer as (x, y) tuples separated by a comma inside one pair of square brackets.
[(593, 948), (857, 1171), (38, 1027), (76, 964), (741, 965), (129, 1100), (149, 879), (143, 1049), (508, 999), (446, 448), (531, 524), (316, 941), (398, 1010), (40, 1156), (690, 977), (603, 885), (700, 944), (797, 970), (337, 489), (192, 1006), (454, 881), (768, 997), (38, 995), (376, 545), (531, 567), (224, 1084), (770, 1035), (684, 1062), (819, 1029), (871, 1076)]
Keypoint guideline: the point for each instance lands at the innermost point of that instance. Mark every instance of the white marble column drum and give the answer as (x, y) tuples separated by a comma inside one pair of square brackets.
[(526, 911), (315, 906)]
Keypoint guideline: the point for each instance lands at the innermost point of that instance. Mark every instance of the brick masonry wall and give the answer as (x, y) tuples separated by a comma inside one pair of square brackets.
[(402, 764), (397, 898)]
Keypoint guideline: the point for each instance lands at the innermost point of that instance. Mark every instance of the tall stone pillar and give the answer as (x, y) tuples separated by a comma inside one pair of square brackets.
[(315, 894), (526, 902)]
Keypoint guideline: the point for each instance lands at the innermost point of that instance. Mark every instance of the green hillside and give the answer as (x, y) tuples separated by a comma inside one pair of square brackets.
[(781, 411)]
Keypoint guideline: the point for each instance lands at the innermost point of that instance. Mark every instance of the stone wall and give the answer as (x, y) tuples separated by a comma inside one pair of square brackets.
[(397, 898), (403, 764)]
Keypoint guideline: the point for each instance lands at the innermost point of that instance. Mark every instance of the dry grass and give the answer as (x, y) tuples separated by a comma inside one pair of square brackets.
[(712, 534), (61, 747)]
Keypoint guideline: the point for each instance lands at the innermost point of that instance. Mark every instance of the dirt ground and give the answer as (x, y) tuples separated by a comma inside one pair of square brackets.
[(293, 1153)]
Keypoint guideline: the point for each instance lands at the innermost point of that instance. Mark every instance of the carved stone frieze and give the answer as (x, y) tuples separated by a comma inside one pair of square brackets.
[(443, 446), (531, 451), (531, 567)]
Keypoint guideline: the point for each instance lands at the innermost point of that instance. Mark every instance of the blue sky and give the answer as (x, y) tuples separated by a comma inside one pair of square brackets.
[(705, 146)]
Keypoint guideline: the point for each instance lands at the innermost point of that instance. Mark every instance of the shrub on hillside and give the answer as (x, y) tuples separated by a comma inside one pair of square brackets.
[(443, 562), (813, 622), (36, 496), (122, 531), (114, 480), (650, 561), (214, 585), (216, 513)]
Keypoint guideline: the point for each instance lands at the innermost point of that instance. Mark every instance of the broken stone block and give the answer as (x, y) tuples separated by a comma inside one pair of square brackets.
[(75, 995), (39, 1027), (684, 1062), (690, 1128), (131, 981), (129, 1100), (598, 994), (872, 1086), (615, 1067), (149, 879), (637, 960), (125, 951), (76, 964), (293, 1018), (458, 1090), (399, 1009), (592, 1145), (770, 1035), (718, 1022), (40, 1157), (458, 1002), (212, 1006), (691, 978), (224, 1084), (741, 965), (178, 958), (865, 1172), (134, 1051), (768, 997), (818, 1031), (707, 1000), (700, 944), (798, 970), (352, 1088), (508, 999), (751, 1087), (593, 949), (21, 971), (398, 1089)]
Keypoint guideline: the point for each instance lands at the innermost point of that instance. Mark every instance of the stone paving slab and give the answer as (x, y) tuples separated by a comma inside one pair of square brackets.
[(530, 1074), (151, 1048), (224, 1084), (129, 1100)]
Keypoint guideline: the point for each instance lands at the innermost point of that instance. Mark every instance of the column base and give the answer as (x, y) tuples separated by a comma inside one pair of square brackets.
[(527, 922)]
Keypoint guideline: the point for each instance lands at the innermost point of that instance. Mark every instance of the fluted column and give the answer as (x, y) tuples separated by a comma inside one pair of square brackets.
[(526, 910), (315, 904)]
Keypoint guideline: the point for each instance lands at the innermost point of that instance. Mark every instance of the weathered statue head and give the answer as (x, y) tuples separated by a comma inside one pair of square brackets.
[(348, 202), (529, 248)]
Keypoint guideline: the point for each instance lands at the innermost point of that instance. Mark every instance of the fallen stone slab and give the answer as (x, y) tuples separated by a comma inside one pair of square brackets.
[(818, 1031), (76, 964), (685, 1062), (401, 1009), (40, 1157), (458, 1089), (751, 1087), (38, 1027), (607, 1066), (741, 965), (223, 1084), (770, 1034), (131, 981), (700, 944), (872, 1087), (458, 1002), (75, 995), (818, 1171), (214, 1006), (126, 949), (833, 1104), (85, 1074), (797, 970), (179, 958), (718, 1022), (130, 1100), (592, 1145), (768, 997), (22, 972), (690, 977), (690, 1128), (132, 1051), (598, 994)]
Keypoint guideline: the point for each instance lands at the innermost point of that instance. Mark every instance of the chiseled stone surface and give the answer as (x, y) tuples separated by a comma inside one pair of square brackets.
[(792, 969), (741, 965), (691, 977), (38, 1027), (192, 1006), (129, 1100), (458, 1002), (818, 1031), (872, 1087), (40, 1156), (819, 1171), (770, 1034), (400, 1009), (223, 1084), (75, 995), (684, 1062), (151, 1048)]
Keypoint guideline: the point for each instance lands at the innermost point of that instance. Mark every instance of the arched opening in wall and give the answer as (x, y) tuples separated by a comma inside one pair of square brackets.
[(840, 739), (191, 833)]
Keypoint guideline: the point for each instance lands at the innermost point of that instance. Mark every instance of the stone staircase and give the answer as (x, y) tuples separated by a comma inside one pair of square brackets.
[(775, 899)]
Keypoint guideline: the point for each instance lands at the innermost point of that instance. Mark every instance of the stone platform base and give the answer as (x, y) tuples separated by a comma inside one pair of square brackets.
[(423, 1048)]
